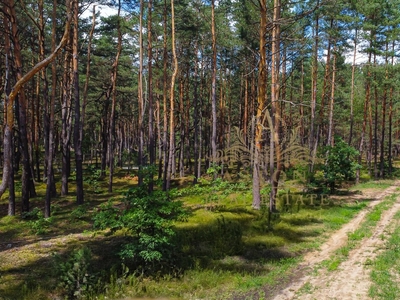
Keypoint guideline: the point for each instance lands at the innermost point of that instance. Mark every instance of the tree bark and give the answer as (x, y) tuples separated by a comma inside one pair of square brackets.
[(275, 107), (151, 144), (8, 119), (314, 78), (171, 100), (140, 98), (330, 140), (213, 87), (78, 121), (261, 97), (114, 74), (353, 72)]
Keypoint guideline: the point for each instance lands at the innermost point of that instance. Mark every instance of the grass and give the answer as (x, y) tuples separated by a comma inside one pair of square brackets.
[(363, 231), (373, 184), (385, 273), (228, 249)]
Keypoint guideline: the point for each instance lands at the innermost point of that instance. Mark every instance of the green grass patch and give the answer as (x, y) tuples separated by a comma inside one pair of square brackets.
[(385, 273), (373, 184), (364, 231)]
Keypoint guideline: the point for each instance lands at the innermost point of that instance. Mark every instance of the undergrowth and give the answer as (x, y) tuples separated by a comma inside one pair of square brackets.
[(222, 249)]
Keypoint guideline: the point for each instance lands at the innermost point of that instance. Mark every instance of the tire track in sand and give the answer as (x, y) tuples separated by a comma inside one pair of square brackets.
[(351, 280)]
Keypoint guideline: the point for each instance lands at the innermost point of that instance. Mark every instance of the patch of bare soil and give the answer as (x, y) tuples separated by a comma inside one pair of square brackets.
[(351, 279)]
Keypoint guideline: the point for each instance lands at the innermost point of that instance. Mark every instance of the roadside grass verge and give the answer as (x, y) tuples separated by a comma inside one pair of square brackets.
[(385, 272), (365, 230), (227, 249)]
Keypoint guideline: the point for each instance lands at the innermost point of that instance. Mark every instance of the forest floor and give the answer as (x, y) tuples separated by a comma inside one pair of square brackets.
[(351, 278), (311, 279)]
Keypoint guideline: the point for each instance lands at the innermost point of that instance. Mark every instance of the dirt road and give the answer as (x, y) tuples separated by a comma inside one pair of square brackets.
[(351, 280)]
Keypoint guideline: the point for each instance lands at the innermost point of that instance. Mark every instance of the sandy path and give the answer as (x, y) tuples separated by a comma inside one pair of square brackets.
[(351, 279)]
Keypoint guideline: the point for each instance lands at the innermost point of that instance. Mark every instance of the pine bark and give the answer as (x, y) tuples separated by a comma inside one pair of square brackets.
[(261, 98)]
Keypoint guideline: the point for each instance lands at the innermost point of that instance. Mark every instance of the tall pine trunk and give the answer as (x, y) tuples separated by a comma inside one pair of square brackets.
[(261, 97), (114, 73), (77, 102), (171, 153)]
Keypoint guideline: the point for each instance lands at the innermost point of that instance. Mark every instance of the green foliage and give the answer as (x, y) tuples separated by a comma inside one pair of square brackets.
[(107, 217), (94, 178), (149, 218), (213, 170), (74, 275), (38, 223), (340, 163), (80, 212)]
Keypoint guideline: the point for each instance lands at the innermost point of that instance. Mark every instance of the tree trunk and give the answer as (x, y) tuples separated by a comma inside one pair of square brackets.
[(14, 92), (364, 125), (171, 154), (78, 121), (8, 120), (261, 97), (375, 140), (275, 107), (213, 87), (165, 92), (314, 78), (383, 124), (66, 123), (353, 72), (196, 124), (150, 95), (114, 101), (330, 140), (390, 117), (140, 97)]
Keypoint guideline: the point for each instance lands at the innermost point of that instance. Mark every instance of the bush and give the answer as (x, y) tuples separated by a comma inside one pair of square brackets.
[(340, 163), (149, 218), (73, 274), (38, 223)]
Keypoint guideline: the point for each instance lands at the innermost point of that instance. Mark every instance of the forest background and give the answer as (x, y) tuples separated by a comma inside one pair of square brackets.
[(165, 85)]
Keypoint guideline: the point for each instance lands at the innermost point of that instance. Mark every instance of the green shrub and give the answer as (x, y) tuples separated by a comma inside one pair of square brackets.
[(149, 218), (80, 212), (38, 223), (74, 274), (94, 178), (340, 163)]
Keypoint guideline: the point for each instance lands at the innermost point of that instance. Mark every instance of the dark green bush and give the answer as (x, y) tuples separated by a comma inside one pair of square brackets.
[(148, 217), (74, 274), (340, 163)]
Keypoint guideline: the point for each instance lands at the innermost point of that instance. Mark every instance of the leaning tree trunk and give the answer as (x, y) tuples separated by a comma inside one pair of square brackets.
[(14, 92), (27, 181)]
